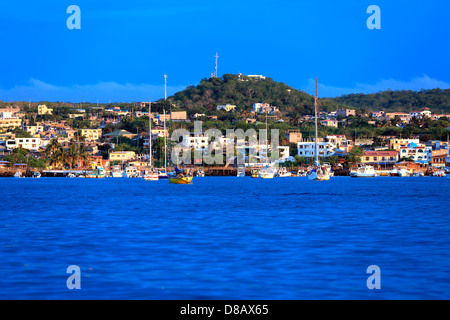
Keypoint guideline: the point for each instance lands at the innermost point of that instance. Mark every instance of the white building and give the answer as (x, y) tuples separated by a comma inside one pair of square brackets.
[(420, 113), (417, 152), (306, 149), (32, 144), (196, 142)]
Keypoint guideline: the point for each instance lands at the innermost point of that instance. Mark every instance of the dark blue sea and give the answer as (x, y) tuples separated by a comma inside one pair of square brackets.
[(225, 238)]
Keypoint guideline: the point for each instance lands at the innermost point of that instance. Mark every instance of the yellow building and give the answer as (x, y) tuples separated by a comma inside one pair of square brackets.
[(91, 134), (42, 109), (122, 155), (396, 144), (33, 130)]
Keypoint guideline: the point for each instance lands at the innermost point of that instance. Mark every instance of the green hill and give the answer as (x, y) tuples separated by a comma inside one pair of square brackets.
[(437, 100), (242, 92)]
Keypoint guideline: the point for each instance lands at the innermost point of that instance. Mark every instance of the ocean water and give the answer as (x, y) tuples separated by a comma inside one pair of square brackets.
[(225, 238)]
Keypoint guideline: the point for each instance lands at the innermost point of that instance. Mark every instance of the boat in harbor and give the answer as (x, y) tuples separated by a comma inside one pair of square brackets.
[(363, 171), (132, 172), (268, 172), (255, 173), (36, 174), (162, 174), (200, 173), (399, 172), (318, 173), (97, 172), (282, 173), (117, 172), (241, 172), (150, 174), (180, 177), (440, 173), (18, 174)]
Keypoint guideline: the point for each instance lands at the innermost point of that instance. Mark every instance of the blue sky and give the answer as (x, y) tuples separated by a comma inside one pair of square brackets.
[(124, 48)]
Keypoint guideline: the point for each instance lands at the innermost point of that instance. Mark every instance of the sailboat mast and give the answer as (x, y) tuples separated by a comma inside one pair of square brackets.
[(315, 128), (267, 143), (165, 141), (150, 131)]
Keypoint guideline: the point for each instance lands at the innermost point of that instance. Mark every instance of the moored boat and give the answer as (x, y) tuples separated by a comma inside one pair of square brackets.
[(318, 173), (180, 177), (399, 172), (282, 172), (267, 172), (364, 171)]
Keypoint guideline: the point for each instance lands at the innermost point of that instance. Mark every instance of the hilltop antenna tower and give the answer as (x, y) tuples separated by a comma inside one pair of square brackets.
[(165, 87), (217, 57)]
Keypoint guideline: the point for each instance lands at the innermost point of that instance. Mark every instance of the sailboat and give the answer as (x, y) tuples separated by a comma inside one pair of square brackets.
[(268, 172), (150, 174), (317, 173), (162, 174), (178, 176)]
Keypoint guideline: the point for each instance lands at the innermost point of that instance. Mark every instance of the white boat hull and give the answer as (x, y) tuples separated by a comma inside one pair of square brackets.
[(320, 177)]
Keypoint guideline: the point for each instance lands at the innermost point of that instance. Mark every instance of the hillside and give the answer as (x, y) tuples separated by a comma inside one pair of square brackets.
[(242, 92), (437, 100)]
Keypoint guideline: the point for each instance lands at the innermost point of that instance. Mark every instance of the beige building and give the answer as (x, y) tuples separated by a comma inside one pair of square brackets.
[(295, 136), (12, 122), (42, 109), (122, 155), (91, 134), (379, 157)]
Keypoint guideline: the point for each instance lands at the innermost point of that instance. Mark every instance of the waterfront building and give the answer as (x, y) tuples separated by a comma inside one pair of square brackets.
[(306, 149), (439, 157), (414, 151), (197, 141), (379, 157), (396, 144)]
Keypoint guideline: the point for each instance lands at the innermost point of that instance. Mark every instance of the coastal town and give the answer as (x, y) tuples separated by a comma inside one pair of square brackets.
[(75, 140)]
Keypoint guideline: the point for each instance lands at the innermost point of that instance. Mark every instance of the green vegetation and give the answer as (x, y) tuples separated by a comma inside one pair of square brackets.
[(20, 155), (59, 158), (437, 100)]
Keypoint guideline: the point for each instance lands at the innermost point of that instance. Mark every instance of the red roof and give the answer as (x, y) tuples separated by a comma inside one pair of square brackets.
[(380, 153)]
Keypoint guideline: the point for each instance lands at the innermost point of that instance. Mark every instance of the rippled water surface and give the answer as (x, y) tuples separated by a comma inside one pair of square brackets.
[(225, 238)]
